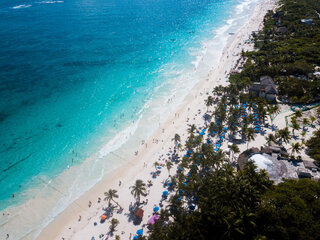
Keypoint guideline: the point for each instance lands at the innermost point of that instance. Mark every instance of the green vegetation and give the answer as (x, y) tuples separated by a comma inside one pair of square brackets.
[(138, 189), (111, 195), (211, 200), (288, 51), (313, 145), (241, 205)]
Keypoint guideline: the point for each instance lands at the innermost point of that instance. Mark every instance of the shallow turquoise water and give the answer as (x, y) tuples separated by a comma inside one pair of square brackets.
[(74, 73)]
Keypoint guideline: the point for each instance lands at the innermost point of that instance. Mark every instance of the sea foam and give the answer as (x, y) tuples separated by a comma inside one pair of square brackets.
[(22, 6)]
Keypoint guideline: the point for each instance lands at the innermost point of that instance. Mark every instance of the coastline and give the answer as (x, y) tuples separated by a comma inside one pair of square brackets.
[(149, 152)]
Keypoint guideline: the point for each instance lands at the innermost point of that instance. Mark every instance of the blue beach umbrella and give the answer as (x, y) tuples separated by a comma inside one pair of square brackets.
[(165, 193), (156, 209), (216, 149), (225, 128), (140, 232), (135, 237), (218, 145)]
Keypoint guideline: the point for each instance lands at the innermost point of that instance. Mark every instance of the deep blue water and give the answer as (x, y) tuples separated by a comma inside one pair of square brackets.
[(70, 69)]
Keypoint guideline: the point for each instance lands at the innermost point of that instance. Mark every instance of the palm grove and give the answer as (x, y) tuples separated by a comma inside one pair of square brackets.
[(230, 204), (209, 198)]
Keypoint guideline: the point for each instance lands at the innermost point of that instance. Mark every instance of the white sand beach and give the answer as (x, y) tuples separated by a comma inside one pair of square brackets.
[(69, 224)]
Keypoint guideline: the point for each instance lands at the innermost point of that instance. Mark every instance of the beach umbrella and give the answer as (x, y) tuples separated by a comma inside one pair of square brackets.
[(140, 232), (218, 145), (221, 137), (165, 193), (216, 149), (202, 133), (213, 132), (103, 217), (225, 128), (135, 237), (156, 209), (153, 219), (159, 167)]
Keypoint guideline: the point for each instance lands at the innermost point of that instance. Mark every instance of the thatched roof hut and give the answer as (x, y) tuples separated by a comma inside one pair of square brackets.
[(244, 156)]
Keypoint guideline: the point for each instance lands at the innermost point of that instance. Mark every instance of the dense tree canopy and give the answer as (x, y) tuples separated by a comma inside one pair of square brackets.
[(313, 145), (288, 51)]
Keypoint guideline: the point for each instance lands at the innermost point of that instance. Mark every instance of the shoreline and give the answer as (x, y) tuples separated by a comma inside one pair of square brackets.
[(176, 123)]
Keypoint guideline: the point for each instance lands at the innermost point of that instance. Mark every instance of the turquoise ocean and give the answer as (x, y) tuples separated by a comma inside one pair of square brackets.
[(83, 82)]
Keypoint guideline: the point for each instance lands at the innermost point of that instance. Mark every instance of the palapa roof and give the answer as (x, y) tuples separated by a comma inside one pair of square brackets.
[(310, 164), (139, 213), (275, 149), (244, 156), (282, 29), (266, 85)]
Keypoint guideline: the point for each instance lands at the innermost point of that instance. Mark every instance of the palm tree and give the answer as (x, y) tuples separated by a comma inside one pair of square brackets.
[(169, 166), (156, 164), (209, 102), (271, 138), (305, 122), (298, 113), (295, 148), (303, 134), (312, 119), (295, 126), (111, 195), (235, 149), (284, 135), (138, 189), (318, 111), (114, 224), (192, 128), (250, 135), (272, 111), (176, 139)]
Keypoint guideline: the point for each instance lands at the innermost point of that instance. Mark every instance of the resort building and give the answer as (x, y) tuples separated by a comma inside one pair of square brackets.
[(274, 159), (265, 88)]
